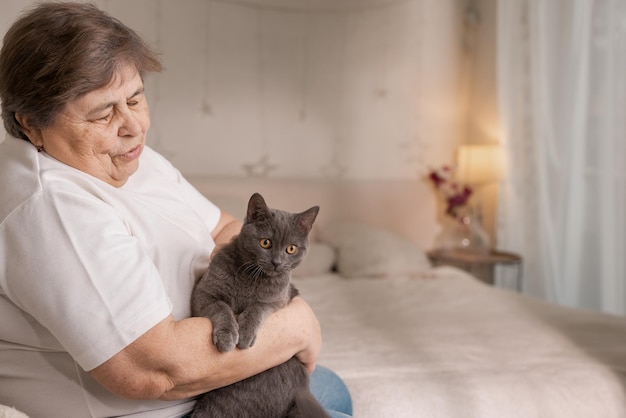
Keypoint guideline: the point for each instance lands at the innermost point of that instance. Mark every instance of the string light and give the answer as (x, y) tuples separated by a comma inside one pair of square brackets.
[(347, 7), (207, 109)]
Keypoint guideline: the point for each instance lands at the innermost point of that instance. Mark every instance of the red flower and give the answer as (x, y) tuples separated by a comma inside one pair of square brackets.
[(454, 194)]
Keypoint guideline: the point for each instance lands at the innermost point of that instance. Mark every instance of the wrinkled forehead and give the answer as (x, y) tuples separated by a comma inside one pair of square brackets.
[(125, 83)]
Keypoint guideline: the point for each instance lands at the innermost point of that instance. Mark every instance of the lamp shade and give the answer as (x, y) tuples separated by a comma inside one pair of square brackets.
[(478, 164)]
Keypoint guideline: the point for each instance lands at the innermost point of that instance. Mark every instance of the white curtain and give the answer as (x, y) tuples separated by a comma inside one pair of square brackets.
[(562, 98)]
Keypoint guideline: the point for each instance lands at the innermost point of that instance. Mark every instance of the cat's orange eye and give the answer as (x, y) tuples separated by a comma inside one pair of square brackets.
[(292, 249), (265, 243)]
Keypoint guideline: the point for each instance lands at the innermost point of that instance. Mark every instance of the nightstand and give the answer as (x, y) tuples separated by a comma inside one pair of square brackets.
[(479, 265)]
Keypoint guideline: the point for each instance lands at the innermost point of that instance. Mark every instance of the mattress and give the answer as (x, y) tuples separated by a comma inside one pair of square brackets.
[(448, 345)]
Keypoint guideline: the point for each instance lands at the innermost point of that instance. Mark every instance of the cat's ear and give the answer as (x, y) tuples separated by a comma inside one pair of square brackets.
[(305, 219), (257, 208)]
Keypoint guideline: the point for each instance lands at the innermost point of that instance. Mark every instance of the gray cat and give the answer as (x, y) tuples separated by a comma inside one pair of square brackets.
[(248, 279)]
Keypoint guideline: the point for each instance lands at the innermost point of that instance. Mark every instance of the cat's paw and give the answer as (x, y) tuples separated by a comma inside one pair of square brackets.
[(225, 339), (246, 340)]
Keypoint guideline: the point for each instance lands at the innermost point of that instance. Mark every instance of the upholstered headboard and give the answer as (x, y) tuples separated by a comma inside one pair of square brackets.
[(407, 207)]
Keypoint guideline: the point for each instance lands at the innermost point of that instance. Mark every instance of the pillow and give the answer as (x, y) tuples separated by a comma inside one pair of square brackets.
[(372, 252), (320, 259)]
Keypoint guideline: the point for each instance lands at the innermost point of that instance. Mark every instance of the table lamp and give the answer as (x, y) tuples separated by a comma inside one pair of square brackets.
[(479, 164)]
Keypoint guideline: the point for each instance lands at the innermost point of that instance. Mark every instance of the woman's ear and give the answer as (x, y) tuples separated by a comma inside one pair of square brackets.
[(33, 134)]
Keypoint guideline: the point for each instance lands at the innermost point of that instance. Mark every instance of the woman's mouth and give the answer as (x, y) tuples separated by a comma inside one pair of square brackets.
[(132, 154)]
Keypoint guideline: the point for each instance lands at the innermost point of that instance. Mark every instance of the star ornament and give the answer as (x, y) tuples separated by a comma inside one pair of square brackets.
[(261, 168), (334, 169)]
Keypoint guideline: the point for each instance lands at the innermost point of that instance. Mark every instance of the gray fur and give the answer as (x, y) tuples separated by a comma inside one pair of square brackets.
[(244, 283)]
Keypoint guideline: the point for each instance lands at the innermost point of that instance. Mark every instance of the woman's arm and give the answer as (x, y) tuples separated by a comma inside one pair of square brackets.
[(227, 227), (177, 359)]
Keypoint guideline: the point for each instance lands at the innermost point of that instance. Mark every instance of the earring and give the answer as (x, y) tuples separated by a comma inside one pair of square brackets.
[(39, 148)]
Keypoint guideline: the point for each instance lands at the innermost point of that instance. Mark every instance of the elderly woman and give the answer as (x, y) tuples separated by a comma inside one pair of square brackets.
[(101, 239)]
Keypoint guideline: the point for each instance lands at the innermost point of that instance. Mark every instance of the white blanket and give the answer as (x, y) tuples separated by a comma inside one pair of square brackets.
[(450, 346), (8, 412)]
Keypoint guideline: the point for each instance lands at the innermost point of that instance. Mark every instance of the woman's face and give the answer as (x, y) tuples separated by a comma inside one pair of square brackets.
[(103, 132)]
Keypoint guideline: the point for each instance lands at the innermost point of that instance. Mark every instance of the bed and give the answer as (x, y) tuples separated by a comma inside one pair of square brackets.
[(411, 340), (451, 346)]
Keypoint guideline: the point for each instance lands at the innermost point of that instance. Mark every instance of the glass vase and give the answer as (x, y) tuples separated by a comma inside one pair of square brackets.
[(463, 232)]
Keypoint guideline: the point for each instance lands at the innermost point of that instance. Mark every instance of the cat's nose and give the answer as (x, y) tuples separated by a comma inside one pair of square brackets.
[(275, 263)]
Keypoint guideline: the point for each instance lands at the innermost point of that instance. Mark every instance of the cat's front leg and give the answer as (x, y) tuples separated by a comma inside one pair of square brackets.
[(250, 321), (225, 326)]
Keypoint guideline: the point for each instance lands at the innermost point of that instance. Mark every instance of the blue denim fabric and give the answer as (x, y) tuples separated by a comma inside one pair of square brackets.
[(330, 391)]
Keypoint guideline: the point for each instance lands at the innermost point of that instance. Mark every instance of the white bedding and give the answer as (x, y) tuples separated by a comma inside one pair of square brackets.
[(451, 346)]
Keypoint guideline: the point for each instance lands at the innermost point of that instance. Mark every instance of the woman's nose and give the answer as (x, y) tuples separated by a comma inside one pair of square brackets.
[(130, 124)]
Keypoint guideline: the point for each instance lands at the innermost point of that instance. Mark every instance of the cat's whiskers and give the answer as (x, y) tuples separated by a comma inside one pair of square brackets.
[(251, 268)]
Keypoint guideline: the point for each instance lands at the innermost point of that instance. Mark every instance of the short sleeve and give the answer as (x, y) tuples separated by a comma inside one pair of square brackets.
[(77, 269)]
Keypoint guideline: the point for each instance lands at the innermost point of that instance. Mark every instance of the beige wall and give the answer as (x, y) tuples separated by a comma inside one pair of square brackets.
[(366, 89), (481, 116), (376, 89)]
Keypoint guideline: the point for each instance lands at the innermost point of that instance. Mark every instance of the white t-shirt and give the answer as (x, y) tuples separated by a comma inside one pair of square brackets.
[(85, 269)]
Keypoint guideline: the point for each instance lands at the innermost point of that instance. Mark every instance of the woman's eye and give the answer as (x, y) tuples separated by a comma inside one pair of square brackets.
[(292, 249), (265, 243), (132, 103)]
